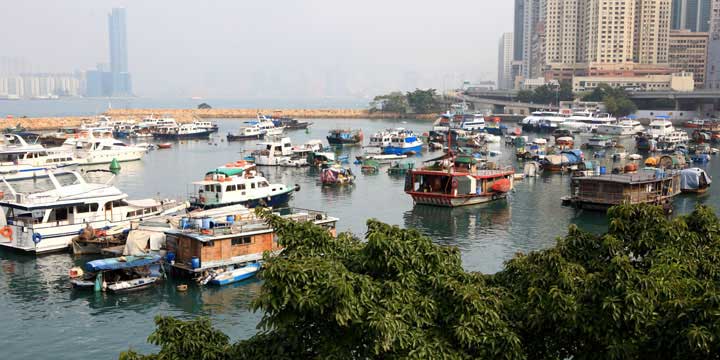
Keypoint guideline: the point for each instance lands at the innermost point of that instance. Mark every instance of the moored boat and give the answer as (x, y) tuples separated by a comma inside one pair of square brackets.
[(345, 137), (694, 180), (403, 142), (119, 275), (336, 175), (246, 133)]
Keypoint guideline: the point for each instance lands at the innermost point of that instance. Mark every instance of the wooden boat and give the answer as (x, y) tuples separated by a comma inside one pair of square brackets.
[(456, 181), (345, 137), (400, 168), (336, 175), (164, 146), (694, 180), (600, 192), (132, 285), (232, 276)]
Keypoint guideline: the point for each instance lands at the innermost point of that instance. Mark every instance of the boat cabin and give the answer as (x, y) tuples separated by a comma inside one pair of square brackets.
[(220, 244), (650, 186)]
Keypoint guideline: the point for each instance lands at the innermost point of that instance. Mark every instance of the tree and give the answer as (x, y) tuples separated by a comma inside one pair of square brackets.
[(423, 101), (204, 106), (616, 101), (646, 289), (525, 96), (394, 102)]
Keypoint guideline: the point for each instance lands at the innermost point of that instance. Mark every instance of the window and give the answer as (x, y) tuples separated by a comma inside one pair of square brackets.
[(59, 214), (252, 186), (241, 187), (218, 188), (82, 208), (245, 240), (209, 244), (230, 188)]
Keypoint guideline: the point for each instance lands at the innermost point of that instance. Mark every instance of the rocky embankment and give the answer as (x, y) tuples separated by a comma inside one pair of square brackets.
[(187, 115)]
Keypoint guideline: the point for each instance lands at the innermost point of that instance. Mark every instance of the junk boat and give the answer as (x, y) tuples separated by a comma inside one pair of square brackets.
[(600, 192), (455, 180), (227, 251), (47, 220), (119, 275), (345, 137), (336, 175), (238, 183), (694, 180)]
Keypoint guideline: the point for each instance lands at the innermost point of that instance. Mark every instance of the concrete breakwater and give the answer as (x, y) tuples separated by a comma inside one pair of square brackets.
[(187, 115)]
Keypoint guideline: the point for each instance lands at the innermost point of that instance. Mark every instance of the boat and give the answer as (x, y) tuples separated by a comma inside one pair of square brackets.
[(403, 142), (379, 141), (660, 127), (565, 143), (48, 218), (474, 122), (370, 167), (586, 121), (274, 153), (20, 161), (622, 128), (223, 251), (455, 180), (235, 275), (600, 192), (238, 183), (164, 146), (247, 133), (336, 175), (183, 131), (92, 150), (400, 168), (206, 125), (301, 155), (542, 119), (600, 141), (345, 137), (119, 275), (709, 124), (535, 150), (564, 161), (288, 123), (694, 180), (382, 158)]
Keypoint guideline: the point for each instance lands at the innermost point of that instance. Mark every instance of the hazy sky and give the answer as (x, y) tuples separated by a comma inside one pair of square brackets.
[(281, 48)]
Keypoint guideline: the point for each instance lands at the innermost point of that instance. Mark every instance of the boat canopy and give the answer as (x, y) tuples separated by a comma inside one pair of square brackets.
[(693, 178), (123, 262), (227, 171)]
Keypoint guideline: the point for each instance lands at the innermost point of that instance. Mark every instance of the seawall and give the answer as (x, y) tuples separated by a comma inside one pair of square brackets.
[(187, 115)]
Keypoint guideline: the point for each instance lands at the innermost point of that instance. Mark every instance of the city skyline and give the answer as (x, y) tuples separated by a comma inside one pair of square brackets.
[(268, 50)]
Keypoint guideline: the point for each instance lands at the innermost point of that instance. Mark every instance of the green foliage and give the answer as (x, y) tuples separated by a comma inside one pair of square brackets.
[(204, 106), (547, 94), (646, 289), (616, 101), (423, 101), (394, 102)]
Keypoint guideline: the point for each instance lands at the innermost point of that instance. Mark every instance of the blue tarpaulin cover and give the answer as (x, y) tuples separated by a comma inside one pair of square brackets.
[(690, 179), (116, 263)]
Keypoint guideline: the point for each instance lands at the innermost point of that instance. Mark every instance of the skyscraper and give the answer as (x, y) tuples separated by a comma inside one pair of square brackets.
[(519, 29), (712, 77), (693, 15), (505, 62), (121, 85)]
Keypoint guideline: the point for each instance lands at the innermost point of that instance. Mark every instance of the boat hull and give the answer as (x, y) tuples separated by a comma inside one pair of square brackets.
[(198, 135), (274, 201), (338, 141), (236, 275), (392, 150), (452, 201), (232, 137)]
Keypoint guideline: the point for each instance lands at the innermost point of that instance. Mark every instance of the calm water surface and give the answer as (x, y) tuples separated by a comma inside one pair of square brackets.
[(41, 315)]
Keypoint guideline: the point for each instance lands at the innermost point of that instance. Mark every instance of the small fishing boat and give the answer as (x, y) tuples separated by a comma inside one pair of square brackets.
[(164, 146), (694, 180), (337, 175), (345, 137), (403, 142), (121, 274), (370, 167), (565, 160), (379, 141), (246, 133), (400, 168), (235, 275), (183, 131), (132, 285), (383, 159), (600, 141)]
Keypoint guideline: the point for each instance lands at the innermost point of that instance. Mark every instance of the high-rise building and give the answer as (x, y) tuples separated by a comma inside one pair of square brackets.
[(121, 82), (652, 28), (693, 15), (608, 29), (532, 34), (561, 31), (712, 76), (505, 62), (688, 53), (519, 30)]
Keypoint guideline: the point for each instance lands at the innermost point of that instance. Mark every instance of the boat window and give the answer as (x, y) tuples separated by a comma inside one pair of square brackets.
[(286, 145), (252, 186), (241, 187), (106, 147), (209, 187), (119, 203), (218, 188), (263, 184), (82, 208), (60, 214), (209, 244), (245, 240), (230, 188)]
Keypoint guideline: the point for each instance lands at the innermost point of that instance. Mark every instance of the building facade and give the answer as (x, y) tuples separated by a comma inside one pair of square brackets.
[(674, 82), (505, 62), (121, 81), (688, 53), (712, 75), (693, 15)]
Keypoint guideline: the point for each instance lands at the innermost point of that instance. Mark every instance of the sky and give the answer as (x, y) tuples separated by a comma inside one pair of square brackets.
[(280, 48)]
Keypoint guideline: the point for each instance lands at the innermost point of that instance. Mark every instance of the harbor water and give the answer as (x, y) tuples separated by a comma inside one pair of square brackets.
[(42, 315)]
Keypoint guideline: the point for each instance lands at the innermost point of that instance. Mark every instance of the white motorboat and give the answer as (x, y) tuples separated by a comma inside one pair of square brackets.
[(660, 127), (379, 141), (268, 126), (622, 128), (475, 123), (585, 121), (246, 133), (273, 153), (90, 150), (47, 217), (383, 158), (19, 161), (183, 131), (238, 184), (206, 125)]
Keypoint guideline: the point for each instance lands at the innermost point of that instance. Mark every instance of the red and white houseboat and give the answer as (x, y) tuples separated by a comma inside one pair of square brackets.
[(456, 181)]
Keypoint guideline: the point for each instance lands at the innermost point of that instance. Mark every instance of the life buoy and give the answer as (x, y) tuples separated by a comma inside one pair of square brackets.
[(6, 232), (454, 183), (37, 238)]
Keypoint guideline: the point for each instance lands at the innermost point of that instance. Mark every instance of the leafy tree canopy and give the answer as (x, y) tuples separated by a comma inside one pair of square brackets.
[(394, 102), (646, 289), (547, 94), (423, 101), (616, 100)]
